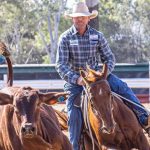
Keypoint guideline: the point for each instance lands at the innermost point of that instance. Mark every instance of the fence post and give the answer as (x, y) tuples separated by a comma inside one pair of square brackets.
[(4, 79)]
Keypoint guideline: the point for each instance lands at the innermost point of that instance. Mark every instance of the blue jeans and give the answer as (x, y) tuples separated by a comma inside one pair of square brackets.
[(75, 115), (75, 119)]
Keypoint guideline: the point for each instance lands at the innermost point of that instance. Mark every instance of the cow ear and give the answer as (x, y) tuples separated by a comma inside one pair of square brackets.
[(53, 97), (5, 99)]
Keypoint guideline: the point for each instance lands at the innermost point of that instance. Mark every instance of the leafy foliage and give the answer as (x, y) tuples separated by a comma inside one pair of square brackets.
[(125, 24), (31, 28)]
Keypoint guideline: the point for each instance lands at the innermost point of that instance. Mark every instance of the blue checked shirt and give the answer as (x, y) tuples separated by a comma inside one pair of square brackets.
[(76, 51)]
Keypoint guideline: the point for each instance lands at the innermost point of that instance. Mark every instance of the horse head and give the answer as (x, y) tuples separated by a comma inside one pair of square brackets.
[(100, 99)]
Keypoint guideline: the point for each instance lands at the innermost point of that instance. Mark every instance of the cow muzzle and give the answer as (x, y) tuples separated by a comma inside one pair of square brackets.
[(28, 130)]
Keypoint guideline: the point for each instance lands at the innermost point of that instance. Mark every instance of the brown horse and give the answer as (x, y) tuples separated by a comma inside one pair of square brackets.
[(113, 124)]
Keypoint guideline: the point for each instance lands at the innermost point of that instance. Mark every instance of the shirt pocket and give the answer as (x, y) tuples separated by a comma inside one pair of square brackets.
[(93, 47), (74, 51)]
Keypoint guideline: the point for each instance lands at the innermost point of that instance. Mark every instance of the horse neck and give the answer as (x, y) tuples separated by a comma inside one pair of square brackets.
[(115, 105), (120, 107)]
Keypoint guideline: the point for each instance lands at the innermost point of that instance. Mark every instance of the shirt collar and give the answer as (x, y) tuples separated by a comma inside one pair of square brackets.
[(74, 30)]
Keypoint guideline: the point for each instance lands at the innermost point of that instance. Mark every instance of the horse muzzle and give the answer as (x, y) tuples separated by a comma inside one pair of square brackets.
[(108, 130)]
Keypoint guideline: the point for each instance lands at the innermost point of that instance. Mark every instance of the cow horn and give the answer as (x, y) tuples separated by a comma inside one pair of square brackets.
[(4, 51)]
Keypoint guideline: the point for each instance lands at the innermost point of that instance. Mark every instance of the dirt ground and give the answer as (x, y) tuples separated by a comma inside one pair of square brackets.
[(60, 107), (147, 105)]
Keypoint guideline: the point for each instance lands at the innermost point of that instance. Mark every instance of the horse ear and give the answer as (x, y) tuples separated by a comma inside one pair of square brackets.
[(5, 99), (53, 97), (93, 72), (90, 70), (105, 71), (84, 75)]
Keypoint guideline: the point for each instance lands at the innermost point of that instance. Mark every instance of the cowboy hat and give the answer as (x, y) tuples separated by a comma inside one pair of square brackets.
[(81, 9)]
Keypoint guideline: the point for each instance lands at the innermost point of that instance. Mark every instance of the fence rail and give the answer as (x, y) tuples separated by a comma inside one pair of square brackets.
[(58, 84), (45, 77)]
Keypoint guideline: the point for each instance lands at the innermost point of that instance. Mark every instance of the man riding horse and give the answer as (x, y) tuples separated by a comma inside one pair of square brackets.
[(82, 45)]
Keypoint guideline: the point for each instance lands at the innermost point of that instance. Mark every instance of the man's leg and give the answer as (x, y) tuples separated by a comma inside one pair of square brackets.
[(75, 119), (121, 88)]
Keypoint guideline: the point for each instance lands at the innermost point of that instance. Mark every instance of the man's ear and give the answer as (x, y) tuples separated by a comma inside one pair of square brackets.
[(53, 97), (5, 99)]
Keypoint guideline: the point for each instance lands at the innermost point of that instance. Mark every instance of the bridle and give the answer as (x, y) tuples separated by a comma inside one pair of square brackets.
[(89, 98)]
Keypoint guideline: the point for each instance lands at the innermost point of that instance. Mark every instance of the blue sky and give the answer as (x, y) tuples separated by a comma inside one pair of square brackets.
[(70, 3)]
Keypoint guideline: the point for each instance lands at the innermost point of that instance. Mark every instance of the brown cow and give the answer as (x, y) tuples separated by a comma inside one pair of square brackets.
[(28, 123)]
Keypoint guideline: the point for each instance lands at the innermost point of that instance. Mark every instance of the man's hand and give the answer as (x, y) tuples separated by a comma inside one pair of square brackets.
[(80, 81)]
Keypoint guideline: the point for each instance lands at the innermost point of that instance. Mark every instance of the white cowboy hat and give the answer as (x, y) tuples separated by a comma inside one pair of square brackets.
[(81, 9)]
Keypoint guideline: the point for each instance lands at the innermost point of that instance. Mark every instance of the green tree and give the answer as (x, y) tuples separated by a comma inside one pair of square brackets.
[(93, 5), (125, 25), (30, 28)]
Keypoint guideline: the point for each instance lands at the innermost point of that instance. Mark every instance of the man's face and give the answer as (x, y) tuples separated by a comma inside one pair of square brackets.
[(81, 22)]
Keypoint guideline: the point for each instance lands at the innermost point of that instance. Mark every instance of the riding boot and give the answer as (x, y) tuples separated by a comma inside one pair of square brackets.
[(147, 126)]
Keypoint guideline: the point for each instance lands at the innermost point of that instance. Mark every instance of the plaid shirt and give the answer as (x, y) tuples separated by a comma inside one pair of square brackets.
[(76, 51)]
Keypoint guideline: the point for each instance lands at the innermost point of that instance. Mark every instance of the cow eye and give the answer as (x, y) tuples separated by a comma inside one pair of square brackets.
[(17, 112), (39, 103)]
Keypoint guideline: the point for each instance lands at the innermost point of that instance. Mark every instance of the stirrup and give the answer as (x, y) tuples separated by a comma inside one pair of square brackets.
[(147, 131), (147, 127)]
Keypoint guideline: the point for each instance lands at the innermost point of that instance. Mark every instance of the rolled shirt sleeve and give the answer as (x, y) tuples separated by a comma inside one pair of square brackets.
[(106, 54), (62, 62)]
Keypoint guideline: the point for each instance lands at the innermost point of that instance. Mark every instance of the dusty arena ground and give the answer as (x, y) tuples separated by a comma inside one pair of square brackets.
[(60, 107), (147, 105)]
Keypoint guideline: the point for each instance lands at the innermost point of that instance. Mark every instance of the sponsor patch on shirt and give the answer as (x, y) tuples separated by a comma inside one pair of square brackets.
[(93, 42), (93, 37), (73, 42)]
